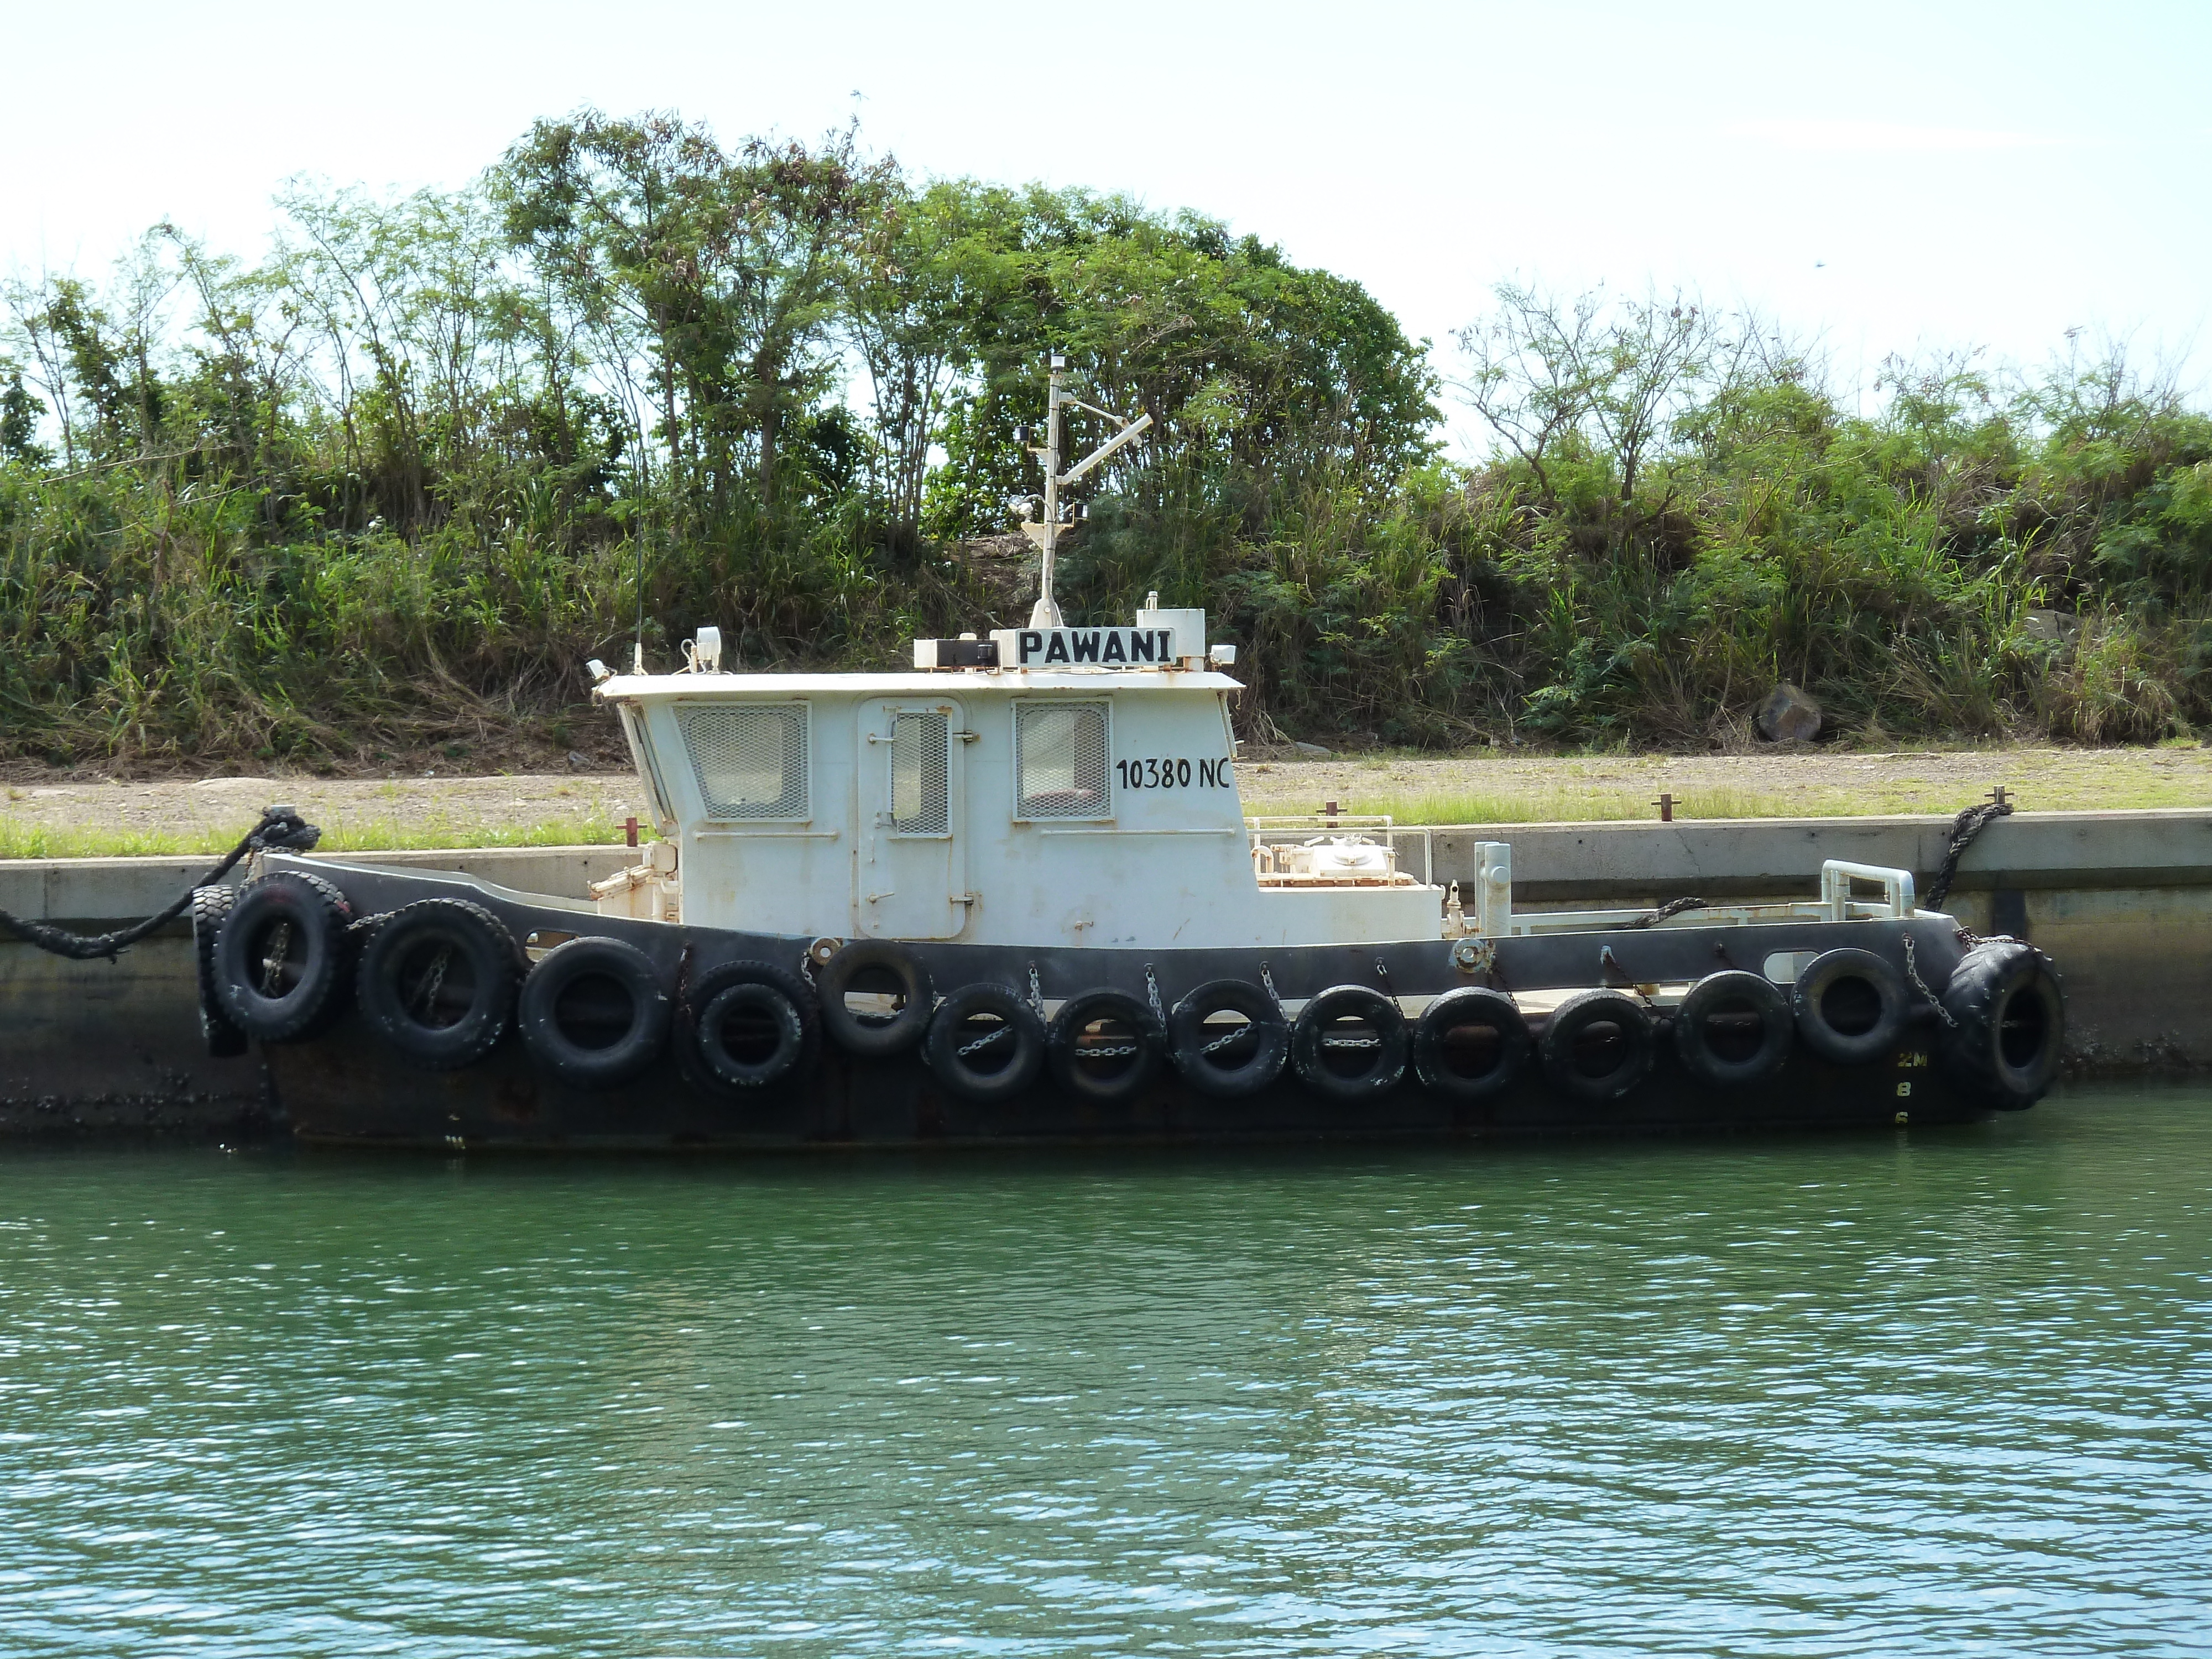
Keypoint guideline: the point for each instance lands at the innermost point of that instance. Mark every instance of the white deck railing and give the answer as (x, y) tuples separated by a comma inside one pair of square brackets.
[(1489, 907)]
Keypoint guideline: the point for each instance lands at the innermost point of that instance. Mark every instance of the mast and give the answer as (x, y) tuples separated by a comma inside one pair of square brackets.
[(1045, 613)]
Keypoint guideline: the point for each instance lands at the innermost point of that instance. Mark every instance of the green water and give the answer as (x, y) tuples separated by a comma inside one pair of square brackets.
[(1943, 1392)]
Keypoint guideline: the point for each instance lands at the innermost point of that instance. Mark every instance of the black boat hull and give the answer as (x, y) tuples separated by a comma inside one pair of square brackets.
[(343, 1085)]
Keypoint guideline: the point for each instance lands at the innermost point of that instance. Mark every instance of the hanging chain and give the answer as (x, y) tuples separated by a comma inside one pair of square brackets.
[(272, 965), (1152, 990), (1248, 1029), (1912, 973), (1036, 992), (984, 1041), (433, 982)]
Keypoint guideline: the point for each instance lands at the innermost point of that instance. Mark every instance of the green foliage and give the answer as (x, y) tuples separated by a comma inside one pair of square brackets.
[(396, 484)]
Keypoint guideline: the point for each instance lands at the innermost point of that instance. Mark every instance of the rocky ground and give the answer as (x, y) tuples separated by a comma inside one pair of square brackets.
[(87, 814)]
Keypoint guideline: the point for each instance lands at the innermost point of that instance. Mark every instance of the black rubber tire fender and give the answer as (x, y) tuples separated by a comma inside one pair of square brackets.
[(1456, 1009), (764, 992), (1193, 1051), (1808, 1002), (1733, 988), (2009, 1008), (1574, 1017), (1311, 1040), (951, 1054), (1064, 1051), (406, 970), (556, 1050), (251, 986), (209, 906), (875, 1039)]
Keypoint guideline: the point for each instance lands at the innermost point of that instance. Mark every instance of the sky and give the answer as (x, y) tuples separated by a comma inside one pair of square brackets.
[(1878, 177)]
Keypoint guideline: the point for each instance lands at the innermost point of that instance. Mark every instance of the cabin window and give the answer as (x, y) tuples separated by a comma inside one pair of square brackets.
[(920, 806), (649, 764), (750, 759), (1060, 761)]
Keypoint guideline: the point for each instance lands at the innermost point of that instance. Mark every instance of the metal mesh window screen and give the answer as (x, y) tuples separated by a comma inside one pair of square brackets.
[(919, 805), (1059, 760), (750, 761)]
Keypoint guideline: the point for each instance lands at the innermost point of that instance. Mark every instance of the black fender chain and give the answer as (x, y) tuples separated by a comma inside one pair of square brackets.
[(1382, 973), (1912, 973)]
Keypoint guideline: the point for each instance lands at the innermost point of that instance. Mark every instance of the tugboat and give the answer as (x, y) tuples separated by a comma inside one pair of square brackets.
[(1012, 895)]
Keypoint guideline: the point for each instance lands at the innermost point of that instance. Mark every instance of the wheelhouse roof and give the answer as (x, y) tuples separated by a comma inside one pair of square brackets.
[(945, 683)]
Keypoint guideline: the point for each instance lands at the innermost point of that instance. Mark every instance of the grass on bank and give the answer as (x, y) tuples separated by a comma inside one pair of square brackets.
[(1615, 806), (2104, 788), (2102, 781), (21, 840)]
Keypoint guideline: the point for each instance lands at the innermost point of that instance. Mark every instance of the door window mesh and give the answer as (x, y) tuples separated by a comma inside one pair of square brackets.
[(1060, 761), (750, 761), (919, 803)]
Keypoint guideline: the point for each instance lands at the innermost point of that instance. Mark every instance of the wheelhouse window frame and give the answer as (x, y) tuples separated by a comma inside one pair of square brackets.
[(645, 758), (1059, 805), (923, 824), (721, 809)]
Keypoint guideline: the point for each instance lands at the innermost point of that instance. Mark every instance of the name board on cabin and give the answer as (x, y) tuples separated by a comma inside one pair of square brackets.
[(1074, 647)]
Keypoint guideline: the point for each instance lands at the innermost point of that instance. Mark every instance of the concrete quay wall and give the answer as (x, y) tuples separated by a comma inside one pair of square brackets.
[(114, 1047), (2122, 900)]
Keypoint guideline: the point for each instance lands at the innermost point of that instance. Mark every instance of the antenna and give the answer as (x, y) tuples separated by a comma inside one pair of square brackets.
[(644, 521), (1046, 534)]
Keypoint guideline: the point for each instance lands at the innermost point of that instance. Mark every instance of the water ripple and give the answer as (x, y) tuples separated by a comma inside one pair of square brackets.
[(1943, 1393)]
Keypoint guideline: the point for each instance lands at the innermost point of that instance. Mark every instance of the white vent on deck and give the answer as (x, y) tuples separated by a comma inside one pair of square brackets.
[(750, 761), (919, 803), (1060, 761)]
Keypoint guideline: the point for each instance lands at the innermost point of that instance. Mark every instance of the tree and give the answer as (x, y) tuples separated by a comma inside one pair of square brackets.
[(1613, 374), (917, 274), (1263, 381), (727, 268), (19, 422)]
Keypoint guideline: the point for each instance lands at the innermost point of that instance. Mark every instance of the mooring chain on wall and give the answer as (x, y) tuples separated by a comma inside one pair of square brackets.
[(1964, 828), (281, 829)]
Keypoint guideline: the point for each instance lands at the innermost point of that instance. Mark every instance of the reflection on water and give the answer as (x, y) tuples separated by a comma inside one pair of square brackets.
[(1945, 1392)]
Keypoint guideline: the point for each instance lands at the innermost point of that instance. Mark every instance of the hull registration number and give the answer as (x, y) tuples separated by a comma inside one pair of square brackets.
[(1160, 772)]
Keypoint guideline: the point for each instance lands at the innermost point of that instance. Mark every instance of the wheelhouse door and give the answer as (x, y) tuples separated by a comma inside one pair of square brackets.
[(912, 877)]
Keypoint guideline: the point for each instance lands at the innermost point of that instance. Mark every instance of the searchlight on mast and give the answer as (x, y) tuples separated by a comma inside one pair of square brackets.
[(1046, 531)]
